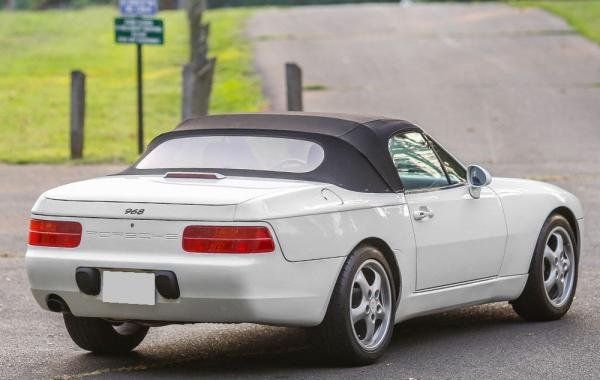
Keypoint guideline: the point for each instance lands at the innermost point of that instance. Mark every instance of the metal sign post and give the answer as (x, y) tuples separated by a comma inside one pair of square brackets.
[(138, 30), (140, 100)]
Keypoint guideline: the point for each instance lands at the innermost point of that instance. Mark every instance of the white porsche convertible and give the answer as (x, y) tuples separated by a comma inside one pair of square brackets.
[(345, 225)]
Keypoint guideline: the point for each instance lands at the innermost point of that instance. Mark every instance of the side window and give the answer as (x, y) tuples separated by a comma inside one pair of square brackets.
[(456, 172), (417, 164)]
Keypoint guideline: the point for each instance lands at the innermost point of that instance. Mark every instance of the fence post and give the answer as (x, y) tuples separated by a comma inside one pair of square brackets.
[(77, 113), (197, 75), (293, 79), (196, 88)]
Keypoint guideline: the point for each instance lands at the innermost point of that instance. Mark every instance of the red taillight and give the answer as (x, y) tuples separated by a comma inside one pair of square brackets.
[(54, 233), (225, 239)]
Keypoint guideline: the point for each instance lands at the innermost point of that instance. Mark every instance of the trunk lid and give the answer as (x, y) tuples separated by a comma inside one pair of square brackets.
[(155, 197), (156, 189)]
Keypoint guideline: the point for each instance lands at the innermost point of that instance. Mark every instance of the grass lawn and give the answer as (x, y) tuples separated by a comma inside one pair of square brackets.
[(39, 49), (583, 16)]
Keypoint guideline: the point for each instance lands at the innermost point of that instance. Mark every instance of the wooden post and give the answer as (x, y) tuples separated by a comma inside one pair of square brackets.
[(195, 8), (293, 79), (196, 87), (187, 90), (77, 113), (197, 75)]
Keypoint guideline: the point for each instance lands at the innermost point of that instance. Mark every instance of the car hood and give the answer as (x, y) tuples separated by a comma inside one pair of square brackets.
[(525, 194)]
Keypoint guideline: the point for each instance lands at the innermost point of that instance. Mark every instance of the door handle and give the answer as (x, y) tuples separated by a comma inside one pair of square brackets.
[(422, 213)]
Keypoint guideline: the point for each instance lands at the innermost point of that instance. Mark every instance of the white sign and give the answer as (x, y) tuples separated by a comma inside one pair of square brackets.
[(138, 7)]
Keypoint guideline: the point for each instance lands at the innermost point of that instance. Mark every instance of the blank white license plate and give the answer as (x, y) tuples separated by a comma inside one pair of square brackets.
[(128, 287)]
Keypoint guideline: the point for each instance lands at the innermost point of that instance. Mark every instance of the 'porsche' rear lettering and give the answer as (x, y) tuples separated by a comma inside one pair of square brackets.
[(131, 235)]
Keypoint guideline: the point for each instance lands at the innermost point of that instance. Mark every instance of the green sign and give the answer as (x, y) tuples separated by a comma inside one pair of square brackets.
[(135, 30)]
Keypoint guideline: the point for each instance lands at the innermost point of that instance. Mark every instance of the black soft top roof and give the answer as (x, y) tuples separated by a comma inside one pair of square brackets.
[(331, 124), (347, 139)]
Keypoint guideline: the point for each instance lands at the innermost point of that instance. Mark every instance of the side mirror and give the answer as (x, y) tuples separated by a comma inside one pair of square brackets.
[(477, 177)]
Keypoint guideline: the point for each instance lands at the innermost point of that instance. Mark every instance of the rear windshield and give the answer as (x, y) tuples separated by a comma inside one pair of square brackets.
[(235, 152)]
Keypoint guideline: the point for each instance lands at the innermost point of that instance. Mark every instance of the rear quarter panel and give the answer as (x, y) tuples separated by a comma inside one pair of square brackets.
[(327, 222), (331, 222), (335, 234)]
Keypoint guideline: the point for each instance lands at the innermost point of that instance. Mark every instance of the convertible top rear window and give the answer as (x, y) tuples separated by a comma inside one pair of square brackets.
[(347, 151), (262, 153)]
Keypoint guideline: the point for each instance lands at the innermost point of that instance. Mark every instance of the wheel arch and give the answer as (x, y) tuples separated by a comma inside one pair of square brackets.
[(388, 253), (568, 214)]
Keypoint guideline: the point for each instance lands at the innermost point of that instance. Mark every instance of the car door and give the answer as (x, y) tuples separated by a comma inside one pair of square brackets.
[(458, 238)]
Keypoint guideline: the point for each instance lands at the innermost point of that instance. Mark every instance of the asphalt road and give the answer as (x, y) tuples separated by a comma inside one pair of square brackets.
[(516, 91)]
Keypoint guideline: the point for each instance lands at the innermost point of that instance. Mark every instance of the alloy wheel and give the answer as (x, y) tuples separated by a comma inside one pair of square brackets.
[(371, 305), (558, 267)]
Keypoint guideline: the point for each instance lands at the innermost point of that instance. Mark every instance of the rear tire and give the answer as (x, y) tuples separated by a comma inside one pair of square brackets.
[(552, 280), (358, 297), (101, 337)]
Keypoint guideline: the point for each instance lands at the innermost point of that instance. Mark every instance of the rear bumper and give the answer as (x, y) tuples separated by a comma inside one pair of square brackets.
[(260, 288)]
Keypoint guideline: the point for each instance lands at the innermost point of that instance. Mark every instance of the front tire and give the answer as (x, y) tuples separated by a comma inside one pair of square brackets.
[(552, 280), (359, 322), (101, 337)]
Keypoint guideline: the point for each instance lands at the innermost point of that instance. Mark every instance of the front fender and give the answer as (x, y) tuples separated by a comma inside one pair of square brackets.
[(527, 204)]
